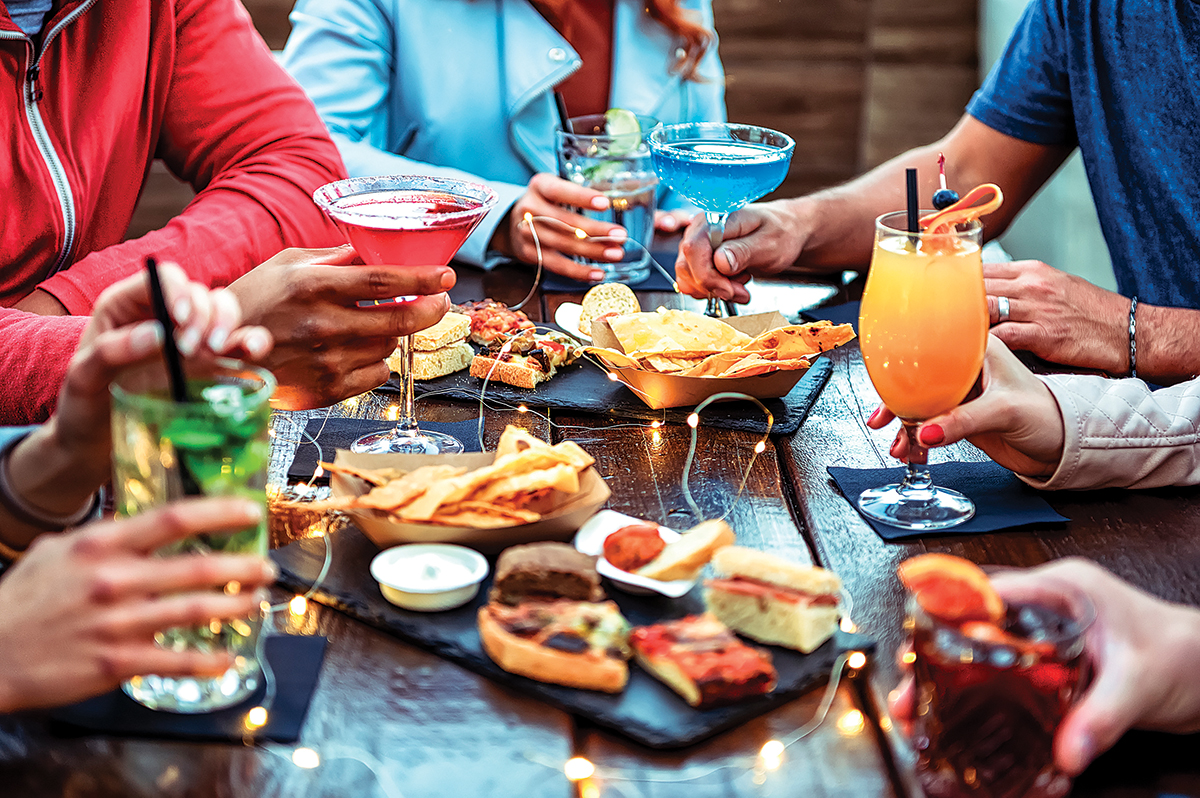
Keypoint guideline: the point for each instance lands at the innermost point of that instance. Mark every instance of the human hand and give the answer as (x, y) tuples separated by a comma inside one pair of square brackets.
[(62, 463), (1142, 652), (1015, 420), (326, 347), (1059, 317), (672, 221), (546, 197), (761, 239), (79, 611)]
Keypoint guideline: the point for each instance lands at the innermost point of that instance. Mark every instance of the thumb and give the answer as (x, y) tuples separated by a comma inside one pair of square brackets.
[(1108, 710), (733, 257)]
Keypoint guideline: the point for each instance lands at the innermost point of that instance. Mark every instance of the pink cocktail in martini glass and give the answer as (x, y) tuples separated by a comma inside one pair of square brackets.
[(403, 220)]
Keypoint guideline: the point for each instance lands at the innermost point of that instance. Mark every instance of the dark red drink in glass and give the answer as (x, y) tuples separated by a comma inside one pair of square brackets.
[(990, 696)]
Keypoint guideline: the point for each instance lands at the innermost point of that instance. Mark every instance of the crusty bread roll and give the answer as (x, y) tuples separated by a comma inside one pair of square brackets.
[(506, 372), (453, 328), (590, 670), (797, 626), (755, 564), (686, 557), (436, 363), (606, 298)]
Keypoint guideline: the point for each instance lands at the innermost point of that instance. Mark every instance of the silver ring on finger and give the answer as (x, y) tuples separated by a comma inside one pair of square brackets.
[(1003, 306)]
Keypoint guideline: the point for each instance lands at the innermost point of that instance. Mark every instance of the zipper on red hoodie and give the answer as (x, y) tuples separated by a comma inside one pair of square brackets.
[(33, 95)]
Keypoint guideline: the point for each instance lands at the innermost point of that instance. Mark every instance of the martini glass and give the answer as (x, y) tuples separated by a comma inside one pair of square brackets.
[(400, 220), (720, 167)]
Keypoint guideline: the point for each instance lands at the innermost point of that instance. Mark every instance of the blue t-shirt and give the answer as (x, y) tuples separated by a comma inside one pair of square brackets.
[(28, 14), (1120, 79)]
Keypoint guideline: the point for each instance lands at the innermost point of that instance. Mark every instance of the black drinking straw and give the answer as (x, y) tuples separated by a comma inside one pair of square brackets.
[(170, 348), (914, 221), (564, 118)]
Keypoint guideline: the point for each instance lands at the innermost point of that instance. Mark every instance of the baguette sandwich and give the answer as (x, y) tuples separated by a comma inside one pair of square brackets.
[(685, 558), (526, 359), (772, 600), (438, 350)]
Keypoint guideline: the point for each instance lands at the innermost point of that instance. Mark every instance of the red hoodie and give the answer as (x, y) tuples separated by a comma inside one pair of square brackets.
[(107, 87)]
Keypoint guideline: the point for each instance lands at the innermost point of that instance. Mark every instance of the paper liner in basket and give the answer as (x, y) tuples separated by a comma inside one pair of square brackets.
[(560, 523), (672, 390)]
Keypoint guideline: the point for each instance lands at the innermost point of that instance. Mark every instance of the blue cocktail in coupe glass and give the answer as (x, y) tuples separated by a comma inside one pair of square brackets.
[(720, 167)]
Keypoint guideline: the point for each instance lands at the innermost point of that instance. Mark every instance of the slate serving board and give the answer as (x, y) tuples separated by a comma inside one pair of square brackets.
[(647, 711), (585, 388)]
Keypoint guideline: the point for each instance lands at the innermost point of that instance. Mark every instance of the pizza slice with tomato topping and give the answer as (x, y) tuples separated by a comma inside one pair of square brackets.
[(699, 658), (527, 358)]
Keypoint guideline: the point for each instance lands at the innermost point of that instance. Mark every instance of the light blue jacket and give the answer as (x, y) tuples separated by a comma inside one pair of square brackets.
[(463, 88)]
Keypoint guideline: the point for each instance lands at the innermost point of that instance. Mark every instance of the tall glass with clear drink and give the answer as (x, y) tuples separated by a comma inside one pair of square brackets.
[(214, 445), (602, 155)]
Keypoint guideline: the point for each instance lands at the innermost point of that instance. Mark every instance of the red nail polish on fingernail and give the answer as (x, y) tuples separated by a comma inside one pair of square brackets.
[(874, 415), (932, 435)]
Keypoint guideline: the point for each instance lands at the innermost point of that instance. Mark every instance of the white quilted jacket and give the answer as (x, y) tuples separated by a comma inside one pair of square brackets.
[(1119, 434)]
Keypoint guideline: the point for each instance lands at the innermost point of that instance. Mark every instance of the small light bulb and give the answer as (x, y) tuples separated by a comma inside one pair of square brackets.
[(772, 749), (613, 376), (522, 409), (908, 658), (393, 412), (849, 626), (760, 447), (271, 433), (578, 768), (320, 472), (851, 723), (256, 718), (856, 660), (655, 424), (693, 420), (298, 606), (528, 217), (306, 758), (580, 234)]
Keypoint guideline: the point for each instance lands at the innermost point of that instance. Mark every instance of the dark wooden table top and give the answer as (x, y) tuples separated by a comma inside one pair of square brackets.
[(389, 719)]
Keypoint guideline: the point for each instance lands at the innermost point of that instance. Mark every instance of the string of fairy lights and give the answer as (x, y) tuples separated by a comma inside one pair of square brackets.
[(586, 776)]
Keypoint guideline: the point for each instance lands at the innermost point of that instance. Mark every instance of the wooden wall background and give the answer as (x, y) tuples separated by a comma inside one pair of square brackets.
[(853, 81)]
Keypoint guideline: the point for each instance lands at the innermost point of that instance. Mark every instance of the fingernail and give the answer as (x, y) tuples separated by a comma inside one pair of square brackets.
[(183, 310), (732, 261), (254, 511), (146, 337), (257, 342), (596, 276), (270, 571), (932, 434), (1087, 750), (874, 415), (217, 339), (188, 341), (600, 203), (618, 234), (614, 253), (448, 280), (669, 223)]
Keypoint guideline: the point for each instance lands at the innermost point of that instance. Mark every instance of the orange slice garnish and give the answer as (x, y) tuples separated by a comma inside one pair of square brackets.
[(979, 201), (951, 589)]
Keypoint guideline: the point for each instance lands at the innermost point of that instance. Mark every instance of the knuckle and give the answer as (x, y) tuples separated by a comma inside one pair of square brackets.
[(113, 664), (173, 520), (86, 546), (104, 587)]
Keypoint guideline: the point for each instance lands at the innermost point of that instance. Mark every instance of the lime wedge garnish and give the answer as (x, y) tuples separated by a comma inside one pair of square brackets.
[(622, 127)]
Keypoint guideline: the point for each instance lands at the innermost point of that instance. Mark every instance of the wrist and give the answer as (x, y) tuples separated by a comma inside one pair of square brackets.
[(49, 471), (1180, 650)]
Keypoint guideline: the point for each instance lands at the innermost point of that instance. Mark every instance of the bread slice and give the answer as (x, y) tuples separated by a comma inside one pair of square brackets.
[(436, 363), (606, 298), (453, 327), (755, 564), (686, 557), (799, 626), (506, 372), (670, 674)]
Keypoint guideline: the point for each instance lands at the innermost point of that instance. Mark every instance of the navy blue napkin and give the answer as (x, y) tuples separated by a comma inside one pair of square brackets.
[(838, 314), (339, 433), (656, 281), (295, 661), (1001, 500)]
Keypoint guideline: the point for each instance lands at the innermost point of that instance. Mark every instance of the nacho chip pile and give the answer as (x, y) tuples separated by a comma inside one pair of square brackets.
[(690, 345), (527, 478)]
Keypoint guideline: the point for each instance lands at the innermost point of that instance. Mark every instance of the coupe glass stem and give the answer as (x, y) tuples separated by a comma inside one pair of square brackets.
[(716, 234), (407, 422)]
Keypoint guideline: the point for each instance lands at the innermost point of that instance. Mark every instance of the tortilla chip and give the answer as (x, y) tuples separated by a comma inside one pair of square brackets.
[(799, 340), (756, 364), (667, 330), (371, 476), (400, 492), (563, 477), (572, 453), (611, 357), (482, 515), (515, 440)]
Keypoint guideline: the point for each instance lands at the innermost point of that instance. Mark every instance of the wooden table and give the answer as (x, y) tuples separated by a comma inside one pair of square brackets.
[(389, 719)]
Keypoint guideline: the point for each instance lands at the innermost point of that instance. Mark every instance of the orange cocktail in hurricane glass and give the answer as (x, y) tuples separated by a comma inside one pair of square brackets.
[(923, 330), (403, 220)]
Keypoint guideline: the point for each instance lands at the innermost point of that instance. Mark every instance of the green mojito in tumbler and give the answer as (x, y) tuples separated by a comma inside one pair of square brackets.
[(214, 444)]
